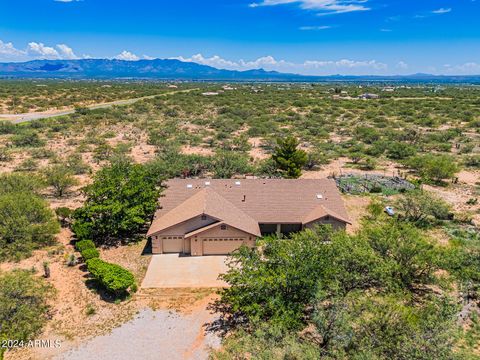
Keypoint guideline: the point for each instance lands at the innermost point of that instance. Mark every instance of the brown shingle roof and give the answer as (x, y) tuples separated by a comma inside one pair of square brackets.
[(204, 201), (247, 202)]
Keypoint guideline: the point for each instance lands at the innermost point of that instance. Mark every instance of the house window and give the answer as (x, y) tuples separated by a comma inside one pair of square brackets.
[(204, 217), (327, 218), (223, 227)]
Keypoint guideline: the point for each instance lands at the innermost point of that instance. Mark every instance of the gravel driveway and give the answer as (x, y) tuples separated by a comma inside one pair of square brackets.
[(151, 335)]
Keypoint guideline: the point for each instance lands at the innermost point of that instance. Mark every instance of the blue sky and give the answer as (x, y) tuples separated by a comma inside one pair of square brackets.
[(308, 36)]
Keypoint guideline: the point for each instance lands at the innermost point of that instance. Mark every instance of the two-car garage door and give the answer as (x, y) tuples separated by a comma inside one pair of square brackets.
[(221, 246), (211, 246)]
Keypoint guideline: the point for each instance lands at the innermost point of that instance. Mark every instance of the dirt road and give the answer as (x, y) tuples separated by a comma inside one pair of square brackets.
[(20, 118)]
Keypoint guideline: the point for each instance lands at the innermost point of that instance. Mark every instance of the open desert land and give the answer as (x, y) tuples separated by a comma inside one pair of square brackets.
[(427, 135)]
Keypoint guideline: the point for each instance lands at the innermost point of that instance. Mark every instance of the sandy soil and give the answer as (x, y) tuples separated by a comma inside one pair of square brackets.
[(196, 150), (356, 208)]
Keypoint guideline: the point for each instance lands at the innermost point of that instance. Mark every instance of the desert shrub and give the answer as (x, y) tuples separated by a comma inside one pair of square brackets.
[(76, 165), (472, 161), (27, 165), (7, 127), (400, 150), (228, 163), (90, 253), (422, 208), (173, 164), (60, 178), (5, 154), (434, 168), (23, 305), (119, 202), (113, 277), (84, 244), (21, 183), (64, 214), (27, 138), (42, 153), (26, 223)]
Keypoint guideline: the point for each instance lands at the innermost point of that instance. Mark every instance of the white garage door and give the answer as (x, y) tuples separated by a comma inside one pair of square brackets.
[(172, 244), (218, 246)]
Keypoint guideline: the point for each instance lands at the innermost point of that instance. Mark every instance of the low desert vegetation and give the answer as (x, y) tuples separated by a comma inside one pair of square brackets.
[(23, 305), (380, 293), (400, 287), (26, 221)]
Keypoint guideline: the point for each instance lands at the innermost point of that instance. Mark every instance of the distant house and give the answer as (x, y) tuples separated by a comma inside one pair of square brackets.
[(216, 216), (172, 86), (368, 96), (210, 93)]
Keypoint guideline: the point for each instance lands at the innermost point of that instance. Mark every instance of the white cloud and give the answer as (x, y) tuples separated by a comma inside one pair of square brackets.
[(8, 51), (402, 65), (66, 52), (469, 68), (316, 67), (307, 28), (346, 64), (267, 62), (147, 57), (442, 11), (127, 56), (323, 7), (41, 51), (36, 50)]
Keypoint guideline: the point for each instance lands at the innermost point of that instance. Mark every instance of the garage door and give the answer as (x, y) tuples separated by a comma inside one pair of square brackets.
[(172, 244), (217, 246)]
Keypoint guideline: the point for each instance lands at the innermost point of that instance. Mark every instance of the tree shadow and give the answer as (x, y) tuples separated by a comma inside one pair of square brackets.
[(97, 288), (227, 320)]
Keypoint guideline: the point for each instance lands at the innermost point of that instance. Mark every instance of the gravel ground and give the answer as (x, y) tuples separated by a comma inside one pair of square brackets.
[(160, 334)]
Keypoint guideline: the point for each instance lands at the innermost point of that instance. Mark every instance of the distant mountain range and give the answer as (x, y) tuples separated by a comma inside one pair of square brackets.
[(169, 69)]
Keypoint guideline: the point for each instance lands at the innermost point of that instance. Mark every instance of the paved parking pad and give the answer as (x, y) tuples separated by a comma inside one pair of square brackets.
[(174, 271)]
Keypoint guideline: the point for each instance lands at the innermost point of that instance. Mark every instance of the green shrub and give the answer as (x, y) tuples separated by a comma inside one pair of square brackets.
[(90, 253), (27, 138), (113, 277), (24, 305), (434, 168), (84, 244), (26, 224)]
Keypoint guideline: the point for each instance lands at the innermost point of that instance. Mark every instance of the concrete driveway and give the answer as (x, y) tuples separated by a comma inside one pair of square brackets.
[(174, 271)]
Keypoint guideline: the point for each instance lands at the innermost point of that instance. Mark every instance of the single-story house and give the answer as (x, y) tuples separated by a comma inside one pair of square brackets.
[(216, 216)]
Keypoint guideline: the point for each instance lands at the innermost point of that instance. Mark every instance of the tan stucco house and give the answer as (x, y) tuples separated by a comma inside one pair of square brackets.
[(216, 216)]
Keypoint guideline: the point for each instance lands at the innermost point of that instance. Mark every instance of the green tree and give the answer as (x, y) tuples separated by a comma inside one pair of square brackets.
[(366, 295), (120, 201), (23, 305), (288, 158), (60, 178), (434, 168)]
